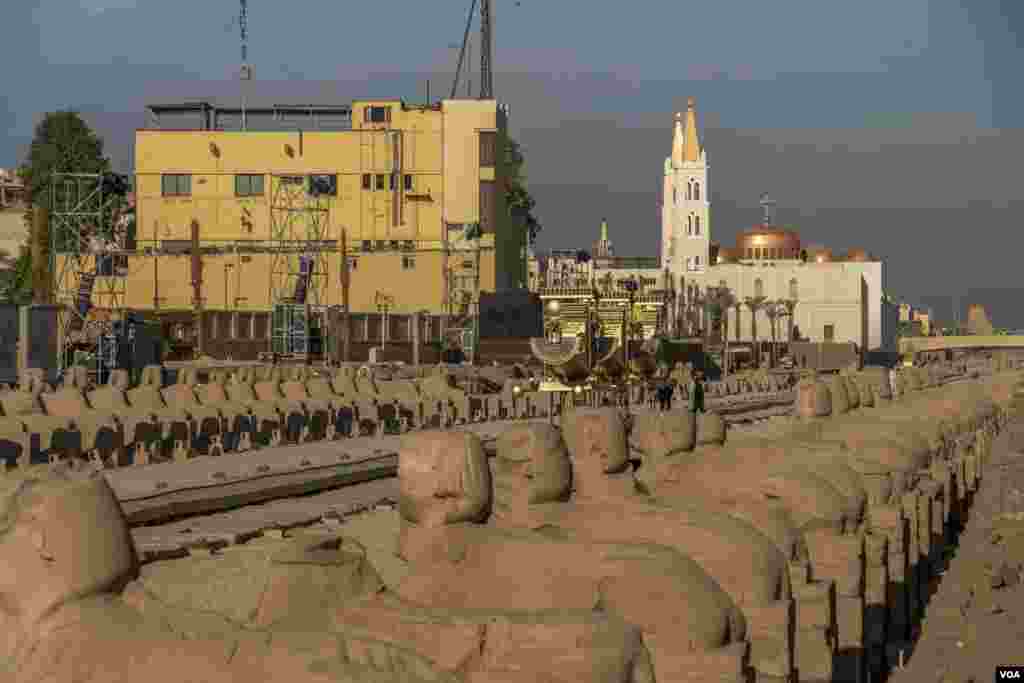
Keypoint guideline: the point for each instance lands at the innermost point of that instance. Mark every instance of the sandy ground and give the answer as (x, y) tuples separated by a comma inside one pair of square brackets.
[(975, 619)]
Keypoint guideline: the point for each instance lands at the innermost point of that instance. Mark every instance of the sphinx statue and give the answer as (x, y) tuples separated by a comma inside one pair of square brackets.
[(72, 610), (690, 625), (593, 497)]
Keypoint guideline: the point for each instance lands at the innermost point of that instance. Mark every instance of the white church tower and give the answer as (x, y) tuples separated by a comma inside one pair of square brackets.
[(685, 229)]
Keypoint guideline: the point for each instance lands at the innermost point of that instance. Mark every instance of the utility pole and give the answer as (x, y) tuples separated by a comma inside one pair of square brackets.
[(197, 290), (346, 328)]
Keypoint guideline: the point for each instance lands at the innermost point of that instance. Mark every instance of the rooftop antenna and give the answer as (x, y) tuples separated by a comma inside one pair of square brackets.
[(245, 73), (462, 49)]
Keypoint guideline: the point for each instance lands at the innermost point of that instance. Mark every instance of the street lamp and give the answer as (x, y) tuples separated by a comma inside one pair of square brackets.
[(227, 269), (384, 303)]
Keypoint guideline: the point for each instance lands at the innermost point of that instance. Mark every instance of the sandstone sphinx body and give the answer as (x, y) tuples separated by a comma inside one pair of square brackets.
[(692, 628)]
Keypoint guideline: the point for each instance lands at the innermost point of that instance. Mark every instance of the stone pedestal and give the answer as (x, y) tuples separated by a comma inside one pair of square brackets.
[(9, 361)]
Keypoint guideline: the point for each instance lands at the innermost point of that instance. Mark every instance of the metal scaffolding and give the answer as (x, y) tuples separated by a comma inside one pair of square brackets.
[(301, 244), (462, 288), (88, 260)]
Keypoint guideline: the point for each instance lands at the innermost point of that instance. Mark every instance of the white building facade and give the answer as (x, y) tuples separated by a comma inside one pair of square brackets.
[(829, 299)]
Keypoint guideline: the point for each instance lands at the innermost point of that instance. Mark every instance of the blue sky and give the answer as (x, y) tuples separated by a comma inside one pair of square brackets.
[(888, 125)]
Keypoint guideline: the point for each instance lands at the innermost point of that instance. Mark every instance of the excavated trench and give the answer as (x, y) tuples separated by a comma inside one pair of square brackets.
[(971, 621)]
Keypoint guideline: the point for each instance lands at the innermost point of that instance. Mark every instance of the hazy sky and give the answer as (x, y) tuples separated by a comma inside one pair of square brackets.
[(889, 125)]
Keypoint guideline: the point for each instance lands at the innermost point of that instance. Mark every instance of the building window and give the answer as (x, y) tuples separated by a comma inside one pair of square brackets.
[(696, 226), (408, 182), (367, 245), (381, 182), (353, 263), (408, 262), (377, 114), (391, 181), (689, 189), (758, 287), (696, 191), (291, 180), (696, 261), (830, 333), (793, 289), (367, 181), (323, 185), (488, 148), (757, 253), (176, 185), (675, 196), (249, 185)]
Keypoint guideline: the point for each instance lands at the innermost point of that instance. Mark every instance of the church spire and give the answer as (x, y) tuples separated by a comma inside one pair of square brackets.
[(604, 230), (691, 144), (677, 141)]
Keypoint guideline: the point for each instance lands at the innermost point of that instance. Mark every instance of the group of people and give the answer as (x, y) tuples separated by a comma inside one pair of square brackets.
[(693, 392)]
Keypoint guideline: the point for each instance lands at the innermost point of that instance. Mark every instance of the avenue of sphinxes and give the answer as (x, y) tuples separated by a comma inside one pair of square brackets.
[(605, 548)]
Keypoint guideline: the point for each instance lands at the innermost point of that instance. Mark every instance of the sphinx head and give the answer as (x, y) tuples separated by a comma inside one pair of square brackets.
[(443, 479), (63, 537), (532, 467), (596, 438)]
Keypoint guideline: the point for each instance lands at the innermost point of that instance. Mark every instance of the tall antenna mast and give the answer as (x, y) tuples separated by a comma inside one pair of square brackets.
[(245, 73), (486, 51)]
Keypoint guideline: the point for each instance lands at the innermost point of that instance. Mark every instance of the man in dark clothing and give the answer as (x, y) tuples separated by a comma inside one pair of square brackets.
[(697, 393), (670, 389), (662, 396)]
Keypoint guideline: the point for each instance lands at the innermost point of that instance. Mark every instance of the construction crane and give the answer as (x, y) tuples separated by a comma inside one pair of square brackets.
[(486, 50)]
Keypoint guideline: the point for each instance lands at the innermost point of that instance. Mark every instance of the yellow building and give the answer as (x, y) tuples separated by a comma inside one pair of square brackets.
[(403, 186)]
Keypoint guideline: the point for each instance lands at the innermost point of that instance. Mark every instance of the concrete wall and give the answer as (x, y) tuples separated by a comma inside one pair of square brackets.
[(512, 315)]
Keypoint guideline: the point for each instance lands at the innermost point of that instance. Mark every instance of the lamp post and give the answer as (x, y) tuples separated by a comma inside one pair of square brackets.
[(630, 285), (384, 303), (227, 269), (555, 337)]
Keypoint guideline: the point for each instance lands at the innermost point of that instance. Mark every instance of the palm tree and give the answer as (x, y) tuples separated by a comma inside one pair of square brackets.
[(772, 309), (754, 303), (726, 300)]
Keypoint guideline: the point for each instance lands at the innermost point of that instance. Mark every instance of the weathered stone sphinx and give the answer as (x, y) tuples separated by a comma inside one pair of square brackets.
[(57, 436), (533, 489), (691, 626), (262, 612)]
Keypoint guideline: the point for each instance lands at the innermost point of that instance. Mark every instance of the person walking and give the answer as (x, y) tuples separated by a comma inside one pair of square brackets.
[(696, 391), (670, 389)]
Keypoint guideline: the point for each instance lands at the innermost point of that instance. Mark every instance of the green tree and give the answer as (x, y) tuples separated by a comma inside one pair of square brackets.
[(62, 143), (517, 197)]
